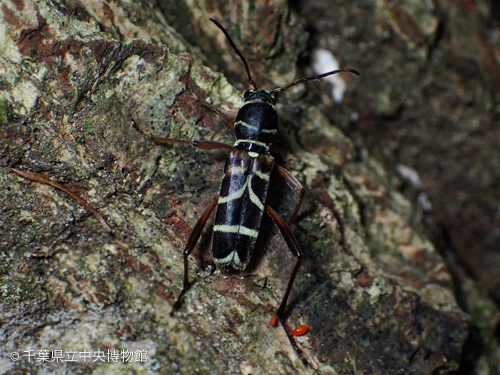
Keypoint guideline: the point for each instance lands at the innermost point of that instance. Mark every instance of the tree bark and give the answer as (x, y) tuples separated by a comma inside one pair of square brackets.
[(375, 293)]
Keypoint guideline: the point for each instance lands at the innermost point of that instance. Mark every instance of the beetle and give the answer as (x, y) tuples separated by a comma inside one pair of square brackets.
[(242, 198)]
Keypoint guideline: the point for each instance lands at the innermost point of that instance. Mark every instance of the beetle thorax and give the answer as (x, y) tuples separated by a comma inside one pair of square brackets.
[(257, 122)]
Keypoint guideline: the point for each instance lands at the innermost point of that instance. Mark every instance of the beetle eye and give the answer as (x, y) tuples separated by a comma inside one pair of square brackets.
[(248, 92)]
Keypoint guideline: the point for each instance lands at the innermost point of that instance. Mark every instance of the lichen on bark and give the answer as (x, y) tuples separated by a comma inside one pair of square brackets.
[(376, 295)]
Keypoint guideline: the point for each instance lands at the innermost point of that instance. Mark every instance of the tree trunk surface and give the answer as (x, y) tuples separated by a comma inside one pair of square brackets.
[(379, 288)]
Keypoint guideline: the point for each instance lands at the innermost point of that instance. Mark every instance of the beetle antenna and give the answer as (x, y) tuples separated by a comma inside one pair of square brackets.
[(281, 89), (250, 80)]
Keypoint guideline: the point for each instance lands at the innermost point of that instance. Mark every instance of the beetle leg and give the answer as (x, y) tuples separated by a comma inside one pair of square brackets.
[(190, 244), (297, 188), (294, 248), (221, 115), (206, 145)]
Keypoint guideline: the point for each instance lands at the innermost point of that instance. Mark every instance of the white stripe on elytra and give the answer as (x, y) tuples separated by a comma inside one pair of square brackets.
[(243, 123), (254, 198), (262, 144), (237, 170), (271, 131), (247, 125), (235, 194), (262, 176), (236, 229), (232, 257)]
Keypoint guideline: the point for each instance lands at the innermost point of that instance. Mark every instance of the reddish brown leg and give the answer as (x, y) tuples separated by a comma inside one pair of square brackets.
[(194, 236), (297, 188), (206, 145), (294, 248), (221, 115)]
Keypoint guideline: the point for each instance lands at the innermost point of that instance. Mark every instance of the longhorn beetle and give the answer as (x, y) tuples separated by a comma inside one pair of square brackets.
[(242, 198)]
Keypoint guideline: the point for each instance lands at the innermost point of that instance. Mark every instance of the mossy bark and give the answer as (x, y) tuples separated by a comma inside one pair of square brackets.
[(375, 293)]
